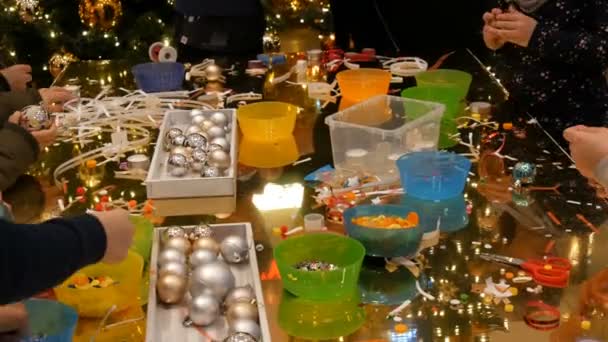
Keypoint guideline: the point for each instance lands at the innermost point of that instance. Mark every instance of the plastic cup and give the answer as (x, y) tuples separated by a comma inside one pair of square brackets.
[(455, 79), (452, 213), (433, 175), (50, 321), (267, 121), (447, 129), (314, 222), (447, 96), (361, 84)]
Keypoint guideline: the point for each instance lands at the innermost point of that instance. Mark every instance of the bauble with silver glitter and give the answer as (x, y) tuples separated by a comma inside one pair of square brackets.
[(177, 165), (214, 278), (234, 249), (198, 159), (35, 118), (204, 309), (201, 231), (178, 140), (170, 255), (240, 337), (196, 140), (171, 232), (246, 326), (240, 294), (171, 288), (211, 171)]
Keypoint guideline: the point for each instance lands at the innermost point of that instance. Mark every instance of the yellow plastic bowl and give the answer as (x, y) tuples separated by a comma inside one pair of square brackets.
[(95, 302), (267, 121), (360, 84)]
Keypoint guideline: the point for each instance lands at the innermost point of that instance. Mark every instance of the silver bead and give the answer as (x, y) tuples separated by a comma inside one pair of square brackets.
[(200, 257), (193, 129), (171, 255), (210, 171), (206, 125), (234, 249), (246, 326), (216, 132), (201, 231), (196, 140), (219, 119), (242, 310), (177, 165), (196, 112), (198, 120), (35, 118), (240, 337), (180, 243), (240, 294), (173, 231), (208, 243), (171, 288), (219, 159), (223, 142), (213, 278), (173, 267), (204, 310)]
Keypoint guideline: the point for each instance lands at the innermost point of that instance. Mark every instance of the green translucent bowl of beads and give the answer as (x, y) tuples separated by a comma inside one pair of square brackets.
[(345, 255)]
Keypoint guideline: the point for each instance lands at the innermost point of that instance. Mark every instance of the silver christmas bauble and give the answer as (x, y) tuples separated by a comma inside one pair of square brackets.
[(204, 310), (180, 150), (246, 326), (198, 159), (196, 112), (171, 288), (35, 118), (234, 249), (219, 119), (240, 294), (214, 147), (219, 159), (213, 278), (216, 132), (200, 257), (173, 132), (170, 255), (198, 120), (178, 140), (177, 165), (240, 337), (206, 125), (173, 231), (193, 129), (196, 140), (210, 171), (180, 243), (208, 243), (201, 231), (221, 141), (242, 310), (173, 267)]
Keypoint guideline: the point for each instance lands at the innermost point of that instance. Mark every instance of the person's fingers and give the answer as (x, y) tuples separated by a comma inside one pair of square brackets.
[(23, 68), (572, 134), (506, 25), (509, 16), (591, 129), (57, 95), (488, 17)]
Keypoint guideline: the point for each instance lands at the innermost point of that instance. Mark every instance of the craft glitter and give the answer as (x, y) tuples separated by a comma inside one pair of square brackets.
[(315, 265)]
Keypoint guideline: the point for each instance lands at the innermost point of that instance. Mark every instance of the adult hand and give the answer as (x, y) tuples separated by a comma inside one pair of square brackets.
[(13, 321), (514, 27), (594, 293), (490, 37), (15, 118), (17, 76), (119, 233), (45, 137), (54, 98), (588, 145)]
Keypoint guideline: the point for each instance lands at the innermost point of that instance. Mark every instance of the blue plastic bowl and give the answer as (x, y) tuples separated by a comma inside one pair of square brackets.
[(433, 175), (451, 211), (50, 321), (158, 77), (380, 242)]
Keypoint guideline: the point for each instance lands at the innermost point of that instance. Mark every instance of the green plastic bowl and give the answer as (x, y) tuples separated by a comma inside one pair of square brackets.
[(449, 97), (447, 129), (456, 79), (344, 252), (142, 241)]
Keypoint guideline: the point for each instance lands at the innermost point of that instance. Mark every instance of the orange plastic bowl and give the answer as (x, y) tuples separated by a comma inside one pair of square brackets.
[(267, 121), (360, 84)]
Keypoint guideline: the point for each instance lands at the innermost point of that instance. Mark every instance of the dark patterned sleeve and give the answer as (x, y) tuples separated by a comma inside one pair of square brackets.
[(586, 48)]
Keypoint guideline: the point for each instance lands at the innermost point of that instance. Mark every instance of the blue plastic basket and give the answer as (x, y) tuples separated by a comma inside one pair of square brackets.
[(50, 321), (157, 77)]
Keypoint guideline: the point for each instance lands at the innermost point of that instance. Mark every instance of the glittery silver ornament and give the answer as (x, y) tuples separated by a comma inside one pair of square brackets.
[(173, 231), (170, 255), (240, 294), (170, 135), (193, 129), (206, 125), (246, 326), (200, 257), (178, 140), (201, 231), (223, 142), (180, 243), (242, 310), (210, 171), (196, 140), (35, 118), (234, 249), (216, 132), (171, 288), (524, 172), (196, 112), (219, 159), (240, 337), (208, 243), (204, 310), (219, 119), (198, 159), (214, 278), (198, 120), (180, 150), (173, 267), (177, 165)]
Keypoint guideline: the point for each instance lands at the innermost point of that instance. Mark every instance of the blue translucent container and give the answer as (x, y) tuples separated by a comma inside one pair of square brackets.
[(395, 287), (433, 175), (451, 211), (158, 77), (50, 321), (383, 242)]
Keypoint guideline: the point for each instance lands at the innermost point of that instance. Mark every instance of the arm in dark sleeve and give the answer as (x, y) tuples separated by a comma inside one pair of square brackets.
[(36, 257), (13, 101), (584, 47), (18, 150)]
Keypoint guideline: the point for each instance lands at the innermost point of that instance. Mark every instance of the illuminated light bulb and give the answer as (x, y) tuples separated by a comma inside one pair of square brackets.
[(301, 21), (278, 16), (277, 197), (53, 34), (84, 33)]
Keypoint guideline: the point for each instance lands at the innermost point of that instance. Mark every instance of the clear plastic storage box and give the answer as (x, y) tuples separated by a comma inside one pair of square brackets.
[(370, 136)]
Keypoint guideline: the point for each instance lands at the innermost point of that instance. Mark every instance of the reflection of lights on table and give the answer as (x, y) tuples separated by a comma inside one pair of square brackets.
[(277, 197)]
